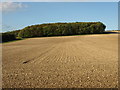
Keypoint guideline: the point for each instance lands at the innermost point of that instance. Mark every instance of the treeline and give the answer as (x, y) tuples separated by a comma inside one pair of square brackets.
[(9, 36), (14, 32), (61, 29), (57, 29)]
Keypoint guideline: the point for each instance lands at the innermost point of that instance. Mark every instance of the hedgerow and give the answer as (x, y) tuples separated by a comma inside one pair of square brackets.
[(7, 37), (61, 29)]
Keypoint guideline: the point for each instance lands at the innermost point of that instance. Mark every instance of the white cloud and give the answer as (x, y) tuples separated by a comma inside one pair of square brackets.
[(11, 6)]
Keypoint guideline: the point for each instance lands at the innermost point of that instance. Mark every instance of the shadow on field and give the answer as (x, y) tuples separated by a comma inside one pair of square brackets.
[(110, 32)]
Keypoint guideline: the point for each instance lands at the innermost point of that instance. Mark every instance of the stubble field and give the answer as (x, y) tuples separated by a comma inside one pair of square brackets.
[(87, 61)]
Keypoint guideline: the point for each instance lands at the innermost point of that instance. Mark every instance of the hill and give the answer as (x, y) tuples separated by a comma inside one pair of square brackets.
[(56, 29)]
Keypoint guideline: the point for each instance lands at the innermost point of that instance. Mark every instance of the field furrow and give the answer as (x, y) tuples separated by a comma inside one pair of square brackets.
[(87, 61)]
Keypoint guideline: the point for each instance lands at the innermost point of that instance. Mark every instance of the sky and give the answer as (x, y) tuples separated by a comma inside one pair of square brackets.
[(17, 15), (60, 0)]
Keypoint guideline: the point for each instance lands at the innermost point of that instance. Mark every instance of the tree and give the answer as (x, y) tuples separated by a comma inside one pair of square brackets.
[(53, 29)]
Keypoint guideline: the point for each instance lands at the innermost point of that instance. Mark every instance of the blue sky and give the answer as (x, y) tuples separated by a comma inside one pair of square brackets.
[(19, 15)]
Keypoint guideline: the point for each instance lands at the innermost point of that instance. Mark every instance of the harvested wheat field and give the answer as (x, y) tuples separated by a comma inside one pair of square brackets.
[(86, 61)]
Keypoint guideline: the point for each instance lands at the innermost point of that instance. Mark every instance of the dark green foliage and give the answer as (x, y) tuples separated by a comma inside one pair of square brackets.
[(7, 37), (58, 29), (14, 32)]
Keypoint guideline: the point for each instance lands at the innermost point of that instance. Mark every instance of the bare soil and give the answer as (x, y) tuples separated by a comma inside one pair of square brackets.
[(87, 61)]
